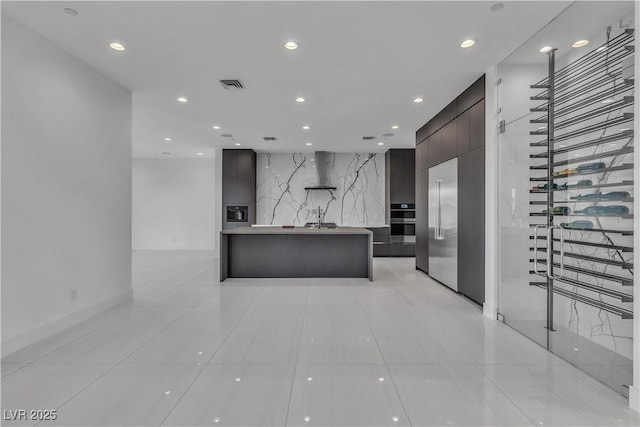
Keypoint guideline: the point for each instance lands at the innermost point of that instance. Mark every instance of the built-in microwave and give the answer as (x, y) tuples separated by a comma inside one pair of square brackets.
[(237, 214)]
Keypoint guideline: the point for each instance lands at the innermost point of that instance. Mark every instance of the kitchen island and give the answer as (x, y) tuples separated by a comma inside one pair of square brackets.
[(296, 252)]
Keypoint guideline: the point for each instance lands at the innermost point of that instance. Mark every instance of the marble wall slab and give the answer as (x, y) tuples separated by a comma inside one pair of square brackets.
[(358, 200)]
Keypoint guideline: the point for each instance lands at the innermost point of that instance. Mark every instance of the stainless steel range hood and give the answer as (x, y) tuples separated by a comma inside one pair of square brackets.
[(323, 162)]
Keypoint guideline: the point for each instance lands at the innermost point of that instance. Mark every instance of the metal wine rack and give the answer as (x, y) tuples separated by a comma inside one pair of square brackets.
[(582, 182)]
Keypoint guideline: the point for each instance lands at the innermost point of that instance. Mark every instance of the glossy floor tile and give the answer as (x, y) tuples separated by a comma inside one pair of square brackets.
[(401, 350), (46, 387), (345, 395), (236, 395), (456, 395)]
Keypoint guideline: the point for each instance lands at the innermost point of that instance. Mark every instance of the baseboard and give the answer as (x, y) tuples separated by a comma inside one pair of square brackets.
[(634, 398), (13, 344)]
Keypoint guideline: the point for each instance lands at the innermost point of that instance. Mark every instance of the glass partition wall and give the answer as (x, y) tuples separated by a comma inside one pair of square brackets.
[(565, 186)]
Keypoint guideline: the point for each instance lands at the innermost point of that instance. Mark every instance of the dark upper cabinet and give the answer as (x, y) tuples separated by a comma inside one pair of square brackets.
[(422, 133), (239, 184), (449, 141), (245, 184), (434, 149), (447, 114), (462, 123), (401, 169), (421, 156), (472, 95), (476, 126)]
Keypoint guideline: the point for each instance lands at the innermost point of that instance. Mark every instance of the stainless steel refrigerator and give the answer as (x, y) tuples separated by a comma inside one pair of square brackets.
[(443, 223)]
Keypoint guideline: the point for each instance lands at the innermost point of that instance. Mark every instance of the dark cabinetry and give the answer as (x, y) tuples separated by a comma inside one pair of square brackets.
[(457, 131), (380, 241), (238, 188), (471, 224), (422, 219), (400, 201)]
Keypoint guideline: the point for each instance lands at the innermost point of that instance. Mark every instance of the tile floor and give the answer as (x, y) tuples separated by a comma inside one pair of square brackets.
[(402, 350)]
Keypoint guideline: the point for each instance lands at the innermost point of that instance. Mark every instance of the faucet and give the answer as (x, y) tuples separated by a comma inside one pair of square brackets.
[(319, 212)]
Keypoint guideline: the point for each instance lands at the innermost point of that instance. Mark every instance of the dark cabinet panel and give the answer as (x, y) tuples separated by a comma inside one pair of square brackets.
[(422, 133), (476, 126), (463, 132), (471, 224), (449, 141), (238, 185), (434, 149), (421, 156), (246, 176), (409, 179), (447, 114), (396, 184), (229, 174), (472, 95), (422, 217)]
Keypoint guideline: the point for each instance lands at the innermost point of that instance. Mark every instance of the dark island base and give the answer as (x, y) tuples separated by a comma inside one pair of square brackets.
[(295, 255)]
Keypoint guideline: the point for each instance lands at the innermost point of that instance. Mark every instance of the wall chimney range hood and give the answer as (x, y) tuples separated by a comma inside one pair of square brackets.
[(323, 162)]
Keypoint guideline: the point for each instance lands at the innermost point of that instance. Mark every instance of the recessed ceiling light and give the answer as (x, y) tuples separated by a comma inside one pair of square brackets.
[(71, 11), (183, 99), (300, 99), (309, 144), (395, 419), (381, 143), (312, 159), (546, 49), (607, 101), (291, 45), (116, 46), (417, 100), (467, 43), (601, 48), (496, 7), (200, 154), (307, 419), (309, 378), (580, 43), (216, 127), (168, 392), (238, 379), (305, 127), (216, 420), (238, 144), (167, 139), (395, 127), (381, 379)]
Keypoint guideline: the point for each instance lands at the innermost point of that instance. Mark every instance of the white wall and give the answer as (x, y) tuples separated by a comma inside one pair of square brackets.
[(66, 189), (173, 204)]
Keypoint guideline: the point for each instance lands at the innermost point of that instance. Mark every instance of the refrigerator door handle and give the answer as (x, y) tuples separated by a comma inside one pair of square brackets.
[(439, 234)]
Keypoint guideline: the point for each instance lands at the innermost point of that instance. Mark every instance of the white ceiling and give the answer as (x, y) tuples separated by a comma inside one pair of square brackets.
[(359, 65)]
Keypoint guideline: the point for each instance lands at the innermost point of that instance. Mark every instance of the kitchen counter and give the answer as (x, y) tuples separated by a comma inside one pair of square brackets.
[(296, 230), (296, 252)]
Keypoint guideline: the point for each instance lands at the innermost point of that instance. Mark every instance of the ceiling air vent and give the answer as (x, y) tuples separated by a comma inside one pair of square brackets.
[(226, 135), (269, 138), (387, 135), (368, 138), (231, 84)]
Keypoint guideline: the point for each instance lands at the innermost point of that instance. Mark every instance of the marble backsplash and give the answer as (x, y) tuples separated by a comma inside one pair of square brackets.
[(357, 201)]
